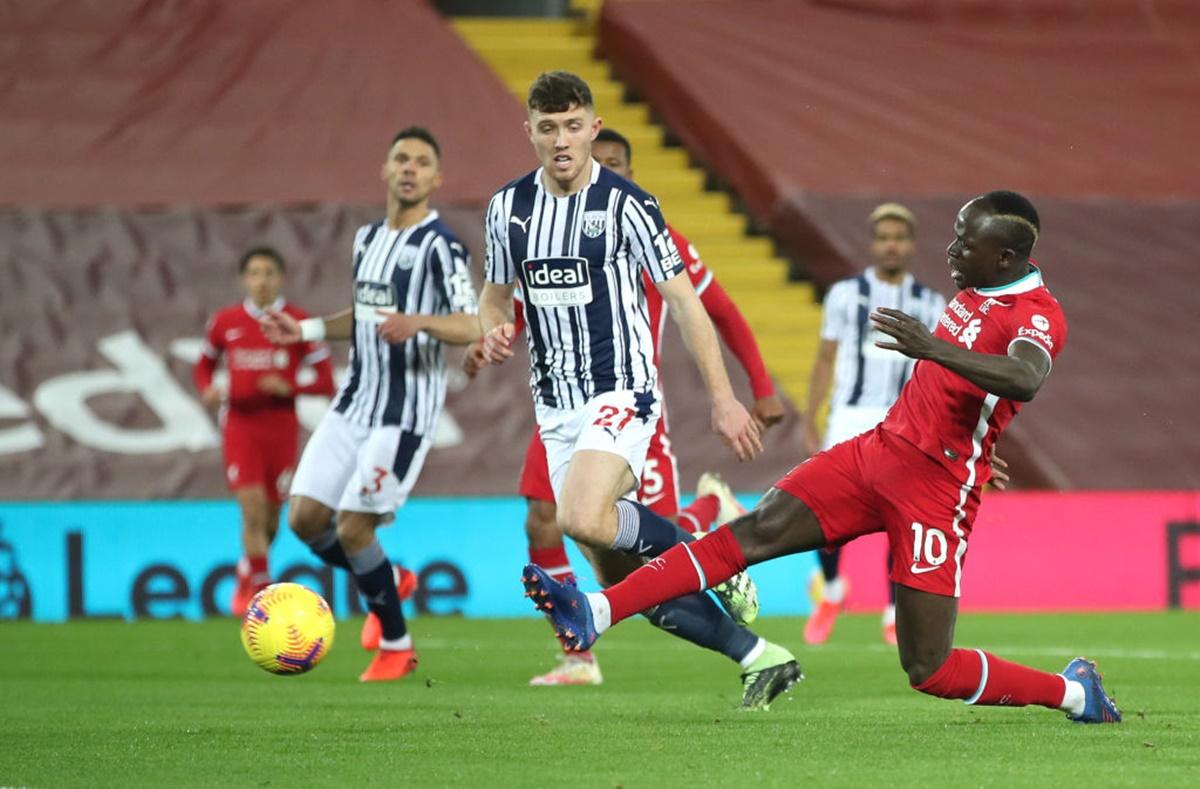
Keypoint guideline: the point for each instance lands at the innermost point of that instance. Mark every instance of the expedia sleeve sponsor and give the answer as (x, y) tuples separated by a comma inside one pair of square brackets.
[(558, 282), (370, 297)]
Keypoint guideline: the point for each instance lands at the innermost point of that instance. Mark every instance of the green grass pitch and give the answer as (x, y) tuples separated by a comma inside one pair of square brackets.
[(178, 704)]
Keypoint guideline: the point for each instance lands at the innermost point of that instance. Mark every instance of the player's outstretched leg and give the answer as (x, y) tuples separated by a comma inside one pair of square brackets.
[(643, 532), (781, 524), (926, 629)]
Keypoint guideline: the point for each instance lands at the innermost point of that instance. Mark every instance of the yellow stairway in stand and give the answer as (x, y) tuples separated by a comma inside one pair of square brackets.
[(784, 315)]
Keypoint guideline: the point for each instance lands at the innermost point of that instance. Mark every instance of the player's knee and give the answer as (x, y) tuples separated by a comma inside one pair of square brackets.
[(920, 666), (580, 522), (305, 521)]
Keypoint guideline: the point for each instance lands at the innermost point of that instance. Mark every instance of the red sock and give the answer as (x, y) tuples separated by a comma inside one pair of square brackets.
[(675, 573), (982, 678), (258, 574), (554, 561), (700, 514)]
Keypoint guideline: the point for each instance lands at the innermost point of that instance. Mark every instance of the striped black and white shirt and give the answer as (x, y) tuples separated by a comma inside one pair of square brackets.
[(578, 260), (421, 269), (866, 375)]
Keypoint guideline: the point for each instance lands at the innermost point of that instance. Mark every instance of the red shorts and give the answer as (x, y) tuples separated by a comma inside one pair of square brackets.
[(260, 450), (879, 482), (660, 475)]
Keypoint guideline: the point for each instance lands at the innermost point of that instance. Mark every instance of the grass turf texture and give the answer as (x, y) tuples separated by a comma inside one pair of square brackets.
[(175, 703)]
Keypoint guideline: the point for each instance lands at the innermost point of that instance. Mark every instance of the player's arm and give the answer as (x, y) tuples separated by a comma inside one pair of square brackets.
[(456, 328), (323, 385), (206, 366), (282, 329), (499, 283), (454, 320), (1015, 376), (735, 331), (730, 419), (818, 389)]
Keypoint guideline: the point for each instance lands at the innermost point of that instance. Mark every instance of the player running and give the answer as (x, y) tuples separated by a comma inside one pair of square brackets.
[(578, 237), (659, 489), (412, 294), (917, 476), (867, 379), (259, 427)]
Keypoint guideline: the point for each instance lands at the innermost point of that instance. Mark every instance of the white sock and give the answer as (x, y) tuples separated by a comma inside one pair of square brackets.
[(397, 644), (1073, 699), (889, 615), (601, 611), (835, 591), (754, 654)]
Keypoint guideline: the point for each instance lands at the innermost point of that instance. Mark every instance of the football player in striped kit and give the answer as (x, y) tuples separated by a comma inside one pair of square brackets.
[(412, 295), (867, 379), (577, 238)]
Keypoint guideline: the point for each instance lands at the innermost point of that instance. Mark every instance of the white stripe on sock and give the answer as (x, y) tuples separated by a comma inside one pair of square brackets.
[(696, 564), (982, 679), (754, 654)]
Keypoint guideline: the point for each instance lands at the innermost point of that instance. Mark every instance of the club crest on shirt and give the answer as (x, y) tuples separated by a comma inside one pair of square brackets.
[(407, 258), (593, 223)]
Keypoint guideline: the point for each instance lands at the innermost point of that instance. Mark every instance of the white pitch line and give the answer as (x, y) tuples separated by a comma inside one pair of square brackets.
[(1064, 652)]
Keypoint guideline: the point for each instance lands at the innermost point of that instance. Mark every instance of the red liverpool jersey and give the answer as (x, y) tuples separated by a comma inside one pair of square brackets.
[(234, 333), (951, 419)]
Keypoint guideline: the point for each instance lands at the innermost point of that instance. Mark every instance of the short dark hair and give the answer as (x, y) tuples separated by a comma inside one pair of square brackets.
[(1021, 221), (260, 252), (558, 91), (418, 133), (609, 135)]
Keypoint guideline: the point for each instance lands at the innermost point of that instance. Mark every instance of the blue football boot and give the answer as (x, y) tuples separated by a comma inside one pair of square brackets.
[(565, 606), (1097, 707)]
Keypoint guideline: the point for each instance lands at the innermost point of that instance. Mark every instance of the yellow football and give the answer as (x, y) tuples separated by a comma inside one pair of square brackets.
[(288, 629)]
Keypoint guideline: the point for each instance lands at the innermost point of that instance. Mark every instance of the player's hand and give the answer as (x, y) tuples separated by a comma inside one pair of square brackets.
[(767, 411), (211, 397), (275, 385), (398, 327), (737, 429), (814, 442), (280, 328), (497, 344), (1000, 478), (912, 337), (473, 360)]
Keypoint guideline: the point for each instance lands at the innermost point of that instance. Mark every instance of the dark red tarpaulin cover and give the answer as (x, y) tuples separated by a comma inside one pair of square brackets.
[(206, 102)]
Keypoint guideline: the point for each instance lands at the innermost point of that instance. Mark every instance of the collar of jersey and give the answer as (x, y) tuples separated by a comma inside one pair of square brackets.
[(430, 217), (249, 306), (542, 186), (1031, 281)]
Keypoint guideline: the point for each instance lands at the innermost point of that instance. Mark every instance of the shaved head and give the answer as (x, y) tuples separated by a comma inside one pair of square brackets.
[(1014, 219)]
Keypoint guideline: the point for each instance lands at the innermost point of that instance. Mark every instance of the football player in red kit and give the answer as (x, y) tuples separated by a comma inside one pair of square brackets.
[(917, 477), (259, 424)]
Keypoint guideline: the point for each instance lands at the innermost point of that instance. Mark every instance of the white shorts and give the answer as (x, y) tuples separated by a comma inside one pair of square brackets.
[(621, 423), (847, 421), (354, 468)]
